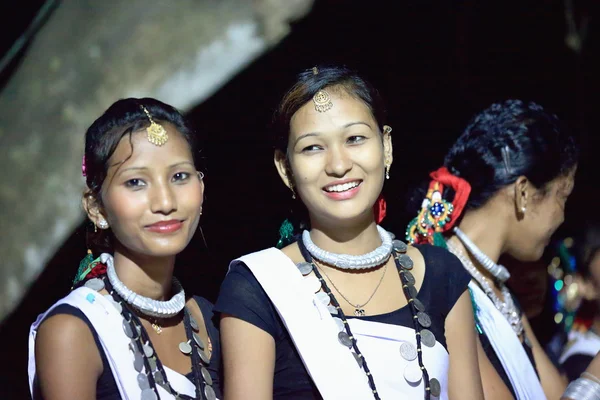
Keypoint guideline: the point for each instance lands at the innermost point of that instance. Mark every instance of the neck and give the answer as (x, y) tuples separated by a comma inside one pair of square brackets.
[(356, 239), (476, 225), (147, 276)]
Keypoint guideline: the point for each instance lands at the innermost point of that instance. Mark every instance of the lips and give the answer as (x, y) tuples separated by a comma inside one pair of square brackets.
[(343, 189), (169, 226)]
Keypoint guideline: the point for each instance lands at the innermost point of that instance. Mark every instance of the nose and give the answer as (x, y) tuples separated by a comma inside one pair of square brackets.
[(338, 161), (163, 199)]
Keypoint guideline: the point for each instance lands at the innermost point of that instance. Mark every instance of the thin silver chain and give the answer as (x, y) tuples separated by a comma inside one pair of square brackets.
[(506, 307), (357, 306)]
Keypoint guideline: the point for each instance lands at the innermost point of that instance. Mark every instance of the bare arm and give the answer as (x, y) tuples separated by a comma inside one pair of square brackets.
[(593, 369), (552, 382), (464, 377), (68, 363), (493, 386), (248, 360)]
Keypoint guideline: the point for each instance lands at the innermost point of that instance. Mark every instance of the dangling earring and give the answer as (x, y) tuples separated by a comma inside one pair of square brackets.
[(387, 171), (523, 209), (95, 228), (293, 192)]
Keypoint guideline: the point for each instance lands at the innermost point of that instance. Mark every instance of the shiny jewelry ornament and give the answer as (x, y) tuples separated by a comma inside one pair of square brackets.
[(351, 262), (358, 308), (147, 306), (506, 307), (583, 389), (435, 213), (499, 272), (157, 135), (102, 224), (322, 101), (415, 371)]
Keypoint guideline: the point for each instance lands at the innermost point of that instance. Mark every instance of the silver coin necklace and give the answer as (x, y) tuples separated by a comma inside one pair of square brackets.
[(151, 372), (413, 373)]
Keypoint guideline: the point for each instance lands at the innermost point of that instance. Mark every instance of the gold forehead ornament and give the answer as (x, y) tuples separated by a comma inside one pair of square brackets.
[(157, 135), (321, 99)]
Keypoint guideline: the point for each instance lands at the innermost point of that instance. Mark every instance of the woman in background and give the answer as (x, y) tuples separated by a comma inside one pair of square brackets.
[(583, 345), (502, 190)]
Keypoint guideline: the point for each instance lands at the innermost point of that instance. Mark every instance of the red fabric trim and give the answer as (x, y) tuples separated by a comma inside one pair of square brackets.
[(462, 190), (380, 209)]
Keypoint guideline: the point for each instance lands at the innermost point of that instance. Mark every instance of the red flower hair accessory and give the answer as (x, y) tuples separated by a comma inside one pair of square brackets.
[(438, 215)]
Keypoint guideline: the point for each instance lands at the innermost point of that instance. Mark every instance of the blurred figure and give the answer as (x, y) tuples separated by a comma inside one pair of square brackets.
[(584, 339)]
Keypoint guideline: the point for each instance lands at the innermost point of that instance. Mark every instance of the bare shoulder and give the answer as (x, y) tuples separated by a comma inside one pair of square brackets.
[(66, 336), (64, 348), (293, 252)]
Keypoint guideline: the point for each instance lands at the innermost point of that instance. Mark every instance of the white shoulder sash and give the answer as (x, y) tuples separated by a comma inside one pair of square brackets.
[(586, 343), (312, 329), (508, 348), (107, 322)]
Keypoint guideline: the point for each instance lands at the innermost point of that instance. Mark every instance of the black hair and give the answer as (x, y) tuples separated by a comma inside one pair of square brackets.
[(308, 83), (535, 143), (503, 142), (122, 118)]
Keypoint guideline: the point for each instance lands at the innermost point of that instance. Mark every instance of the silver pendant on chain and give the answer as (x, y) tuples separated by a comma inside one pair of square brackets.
[(359, 312)]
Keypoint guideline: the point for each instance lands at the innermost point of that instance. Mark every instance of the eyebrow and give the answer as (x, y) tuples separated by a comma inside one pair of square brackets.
[(348, 125), (145, 168)]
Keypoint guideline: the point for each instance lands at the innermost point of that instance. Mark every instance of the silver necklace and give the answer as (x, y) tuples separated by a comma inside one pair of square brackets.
[(347, 261), (145, 305), (506, 307), (499, 272), (358, 308)]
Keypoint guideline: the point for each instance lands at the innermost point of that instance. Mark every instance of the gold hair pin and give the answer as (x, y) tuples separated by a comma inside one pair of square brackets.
[(157, 135)]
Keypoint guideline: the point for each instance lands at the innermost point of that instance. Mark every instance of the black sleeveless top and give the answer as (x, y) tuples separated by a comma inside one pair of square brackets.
[(106, 388), (243, 297)]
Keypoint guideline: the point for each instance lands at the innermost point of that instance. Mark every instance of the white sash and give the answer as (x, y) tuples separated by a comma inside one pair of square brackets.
[(586, 343), (107, 322), (508, 348), (314, 333)]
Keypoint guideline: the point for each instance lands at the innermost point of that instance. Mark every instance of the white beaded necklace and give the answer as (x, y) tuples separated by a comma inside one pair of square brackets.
[(146, 305), (506, 307), (499, 272), (352, 262)]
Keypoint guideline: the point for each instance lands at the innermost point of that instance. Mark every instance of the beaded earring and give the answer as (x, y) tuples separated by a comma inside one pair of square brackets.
[(286, 234)]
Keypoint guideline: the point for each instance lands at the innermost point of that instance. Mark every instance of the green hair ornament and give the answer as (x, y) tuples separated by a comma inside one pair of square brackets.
[(85, 266), (286, 234)]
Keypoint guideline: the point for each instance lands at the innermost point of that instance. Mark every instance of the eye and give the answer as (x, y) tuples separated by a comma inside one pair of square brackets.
[(135, 183), (356, 139), (181, 177), (311, 148)]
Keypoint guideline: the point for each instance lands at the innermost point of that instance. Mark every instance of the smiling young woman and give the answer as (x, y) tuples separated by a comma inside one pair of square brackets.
[(127, 330), (346, 312)]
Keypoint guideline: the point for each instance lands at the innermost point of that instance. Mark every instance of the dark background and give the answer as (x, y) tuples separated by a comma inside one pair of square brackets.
[(436, 63)]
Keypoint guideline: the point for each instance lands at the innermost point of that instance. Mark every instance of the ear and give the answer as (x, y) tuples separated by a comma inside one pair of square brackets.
[(521, 187), (388, 153), (282, 167), (92, 207)]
